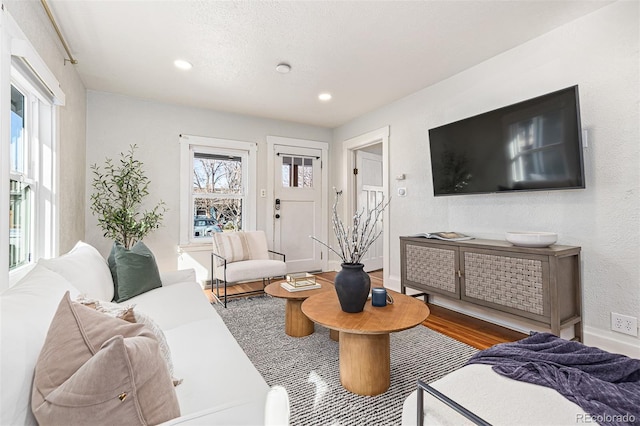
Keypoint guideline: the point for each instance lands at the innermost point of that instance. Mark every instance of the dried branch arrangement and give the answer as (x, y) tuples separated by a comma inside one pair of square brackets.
[(356, 239)]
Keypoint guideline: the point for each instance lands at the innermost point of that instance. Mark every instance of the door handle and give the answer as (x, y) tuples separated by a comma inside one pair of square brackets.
[(277, 215)]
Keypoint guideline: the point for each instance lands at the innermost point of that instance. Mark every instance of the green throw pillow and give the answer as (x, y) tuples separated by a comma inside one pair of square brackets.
[(111, 261), (136, 271)]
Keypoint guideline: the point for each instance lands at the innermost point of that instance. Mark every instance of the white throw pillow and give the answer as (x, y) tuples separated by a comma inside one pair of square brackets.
[(85, 269), (232, 246), (257, 242)]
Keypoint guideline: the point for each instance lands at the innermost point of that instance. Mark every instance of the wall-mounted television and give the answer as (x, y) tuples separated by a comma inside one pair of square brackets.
[(531, 145)]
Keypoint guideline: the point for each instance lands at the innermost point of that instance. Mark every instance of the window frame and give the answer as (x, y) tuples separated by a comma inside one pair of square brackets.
[(21, 66), (247, 151)]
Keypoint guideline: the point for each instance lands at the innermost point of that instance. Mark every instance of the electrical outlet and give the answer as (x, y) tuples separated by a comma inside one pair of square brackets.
[(624, 324)]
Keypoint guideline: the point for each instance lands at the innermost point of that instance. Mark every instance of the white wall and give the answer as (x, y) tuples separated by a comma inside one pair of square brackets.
[(33, 21), (598, 52), (115, 122)]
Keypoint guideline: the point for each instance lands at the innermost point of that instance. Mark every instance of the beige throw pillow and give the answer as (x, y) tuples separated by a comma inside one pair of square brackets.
[(232, 246), (100, 370)]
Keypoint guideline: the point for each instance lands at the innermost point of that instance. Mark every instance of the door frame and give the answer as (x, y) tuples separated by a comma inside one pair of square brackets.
[(361, 154), (324, 171), (349, 147)]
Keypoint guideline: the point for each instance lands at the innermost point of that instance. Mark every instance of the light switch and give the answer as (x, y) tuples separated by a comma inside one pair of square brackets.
[(263, 193)]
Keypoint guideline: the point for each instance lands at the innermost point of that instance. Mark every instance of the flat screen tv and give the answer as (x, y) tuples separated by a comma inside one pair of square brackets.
[(532, 145)]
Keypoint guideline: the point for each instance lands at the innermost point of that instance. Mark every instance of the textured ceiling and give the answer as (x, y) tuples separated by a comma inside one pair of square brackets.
[(366, 54)]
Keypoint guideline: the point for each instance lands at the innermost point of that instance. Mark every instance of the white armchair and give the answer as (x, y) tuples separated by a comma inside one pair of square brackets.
[(243, 256)]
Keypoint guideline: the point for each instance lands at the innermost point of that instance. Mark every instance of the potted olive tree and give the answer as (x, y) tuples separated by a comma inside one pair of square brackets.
[(119, 190)]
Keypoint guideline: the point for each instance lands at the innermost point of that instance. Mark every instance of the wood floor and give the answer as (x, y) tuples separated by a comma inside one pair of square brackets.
[(474, 332)]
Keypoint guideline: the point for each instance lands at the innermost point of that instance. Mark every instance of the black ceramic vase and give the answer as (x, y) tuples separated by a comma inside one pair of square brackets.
[(352, 285)]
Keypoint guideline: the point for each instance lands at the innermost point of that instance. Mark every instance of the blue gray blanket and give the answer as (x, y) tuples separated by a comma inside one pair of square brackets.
[(604, 385)]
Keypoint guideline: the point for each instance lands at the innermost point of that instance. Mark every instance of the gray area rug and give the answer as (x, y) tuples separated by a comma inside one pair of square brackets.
[(308, 366)]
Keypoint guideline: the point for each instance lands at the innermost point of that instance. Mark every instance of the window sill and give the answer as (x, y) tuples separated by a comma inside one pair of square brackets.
[(195, 247)]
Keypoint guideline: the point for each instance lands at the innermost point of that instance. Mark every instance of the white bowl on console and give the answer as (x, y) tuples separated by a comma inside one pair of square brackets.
[(532, 239)]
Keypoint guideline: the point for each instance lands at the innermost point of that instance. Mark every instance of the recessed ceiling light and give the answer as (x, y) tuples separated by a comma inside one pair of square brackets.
[(182, 64), (324, 97), (283, 68)]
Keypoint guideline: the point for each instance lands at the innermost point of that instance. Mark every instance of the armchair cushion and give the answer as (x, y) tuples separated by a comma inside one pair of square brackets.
[(250, 270)]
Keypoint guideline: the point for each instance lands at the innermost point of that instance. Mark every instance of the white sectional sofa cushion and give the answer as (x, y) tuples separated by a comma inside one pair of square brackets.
[(220, 384), (251, 269), (495, 398), (26, 310)]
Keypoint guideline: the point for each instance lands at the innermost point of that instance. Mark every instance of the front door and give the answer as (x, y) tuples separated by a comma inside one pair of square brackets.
[(297, 206)]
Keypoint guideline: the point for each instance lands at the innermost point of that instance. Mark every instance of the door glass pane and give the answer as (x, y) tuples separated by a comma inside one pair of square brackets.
[(287, 163), (216, 215), (217, 174), (297, 172), (19, 224), (17, 131)]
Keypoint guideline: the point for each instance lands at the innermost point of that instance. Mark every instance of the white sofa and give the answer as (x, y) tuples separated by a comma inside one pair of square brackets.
[(220, 384)]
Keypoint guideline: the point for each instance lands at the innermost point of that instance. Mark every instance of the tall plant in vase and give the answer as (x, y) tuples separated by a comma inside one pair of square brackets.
[(354, 240), (119, 190)]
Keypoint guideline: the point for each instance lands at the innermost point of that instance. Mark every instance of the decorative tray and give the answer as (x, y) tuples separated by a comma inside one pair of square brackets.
[(302, 279)]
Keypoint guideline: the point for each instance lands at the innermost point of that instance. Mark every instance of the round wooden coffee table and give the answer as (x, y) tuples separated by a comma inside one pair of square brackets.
[(296, 324), (365, 361)]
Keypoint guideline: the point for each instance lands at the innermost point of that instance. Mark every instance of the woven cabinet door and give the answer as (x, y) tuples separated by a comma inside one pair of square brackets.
[(514, 284), (432, 269)]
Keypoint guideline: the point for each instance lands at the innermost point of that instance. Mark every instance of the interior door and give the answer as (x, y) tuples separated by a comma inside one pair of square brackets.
[(297, 206), (370, 192)]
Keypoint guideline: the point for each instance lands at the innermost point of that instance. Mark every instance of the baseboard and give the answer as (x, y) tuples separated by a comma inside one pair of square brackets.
[(393, 282), (612, 341), (334, 265)]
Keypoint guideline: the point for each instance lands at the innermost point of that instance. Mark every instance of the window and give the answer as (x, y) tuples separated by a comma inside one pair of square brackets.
[(217, 193), (218, 187), (31, 172)]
